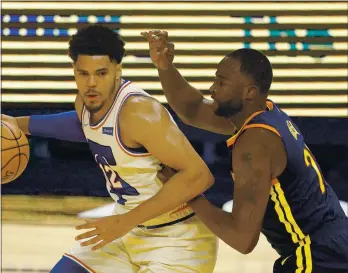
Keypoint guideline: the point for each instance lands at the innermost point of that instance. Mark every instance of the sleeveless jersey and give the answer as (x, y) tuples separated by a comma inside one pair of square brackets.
[(130, 173), (302, 209)]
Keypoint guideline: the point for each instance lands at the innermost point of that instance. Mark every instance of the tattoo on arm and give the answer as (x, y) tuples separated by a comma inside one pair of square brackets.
[(250, 185), (251, 166), (250, 192)]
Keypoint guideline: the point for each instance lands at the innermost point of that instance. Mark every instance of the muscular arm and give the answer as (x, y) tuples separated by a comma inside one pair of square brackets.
[(188, 102), (252, 164), (190, 105), (145, 122)]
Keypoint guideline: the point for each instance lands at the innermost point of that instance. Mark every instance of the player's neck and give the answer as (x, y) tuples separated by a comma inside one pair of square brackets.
[(239, 119)]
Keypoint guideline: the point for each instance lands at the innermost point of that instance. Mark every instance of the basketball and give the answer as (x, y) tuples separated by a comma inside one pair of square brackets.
[(14, 152)]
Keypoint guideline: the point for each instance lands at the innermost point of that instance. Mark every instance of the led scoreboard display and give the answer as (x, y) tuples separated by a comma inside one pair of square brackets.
[(306, 43)]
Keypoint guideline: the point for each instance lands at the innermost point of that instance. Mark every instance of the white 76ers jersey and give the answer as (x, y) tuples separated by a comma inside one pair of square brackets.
[(131, 174)]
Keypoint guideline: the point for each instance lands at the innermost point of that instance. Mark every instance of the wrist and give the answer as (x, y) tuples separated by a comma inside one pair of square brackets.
[(130, 218), (170, 66), (162, 69)]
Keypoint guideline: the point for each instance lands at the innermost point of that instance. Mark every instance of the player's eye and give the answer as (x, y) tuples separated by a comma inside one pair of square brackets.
[(102, 73), (218, 82)]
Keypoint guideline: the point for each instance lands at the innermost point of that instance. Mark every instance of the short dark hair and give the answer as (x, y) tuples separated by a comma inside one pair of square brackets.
[(97, 40), (256, 65)]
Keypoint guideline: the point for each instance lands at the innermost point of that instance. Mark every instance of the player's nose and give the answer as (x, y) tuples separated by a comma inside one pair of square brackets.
[(91, 81)]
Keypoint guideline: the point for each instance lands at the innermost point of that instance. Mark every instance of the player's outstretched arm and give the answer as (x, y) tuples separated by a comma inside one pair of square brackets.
[(188, 102), (63, 126), (251, 160), (146, 122)]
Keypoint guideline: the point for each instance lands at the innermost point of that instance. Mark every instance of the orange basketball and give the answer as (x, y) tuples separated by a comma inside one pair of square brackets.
[(14, 152)]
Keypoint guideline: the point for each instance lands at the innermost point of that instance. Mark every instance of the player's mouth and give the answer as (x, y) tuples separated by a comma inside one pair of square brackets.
[(92, 96)]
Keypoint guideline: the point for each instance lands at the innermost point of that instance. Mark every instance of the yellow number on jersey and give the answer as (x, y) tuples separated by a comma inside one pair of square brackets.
[(310, 161)]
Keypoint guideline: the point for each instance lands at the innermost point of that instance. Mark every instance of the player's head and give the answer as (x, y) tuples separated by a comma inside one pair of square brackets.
[(97, 54), (243, 76)]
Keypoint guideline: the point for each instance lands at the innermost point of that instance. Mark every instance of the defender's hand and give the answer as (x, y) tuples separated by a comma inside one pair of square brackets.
[(161, 51), (104, 230)]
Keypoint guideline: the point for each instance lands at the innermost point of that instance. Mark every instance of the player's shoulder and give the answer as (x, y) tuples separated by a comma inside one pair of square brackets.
[(141, 103), (264, 146), (257, 136), (142, 108), (274, 118), (129, 87)]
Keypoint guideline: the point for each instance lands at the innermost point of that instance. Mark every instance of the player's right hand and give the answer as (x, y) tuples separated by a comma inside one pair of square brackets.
[(161, 51), (10, 120)]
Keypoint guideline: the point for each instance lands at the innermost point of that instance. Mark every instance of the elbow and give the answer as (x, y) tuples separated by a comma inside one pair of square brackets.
[(211, 180), (203, 180), (247, 249), (206, 178), (248, 246)]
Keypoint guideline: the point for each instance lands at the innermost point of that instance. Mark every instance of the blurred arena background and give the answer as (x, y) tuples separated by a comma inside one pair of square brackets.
[(305, 41)]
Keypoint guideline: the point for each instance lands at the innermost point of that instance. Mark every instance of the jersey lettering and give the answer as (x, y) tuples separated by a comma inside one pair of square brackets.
[(106, 162), (311, 162)]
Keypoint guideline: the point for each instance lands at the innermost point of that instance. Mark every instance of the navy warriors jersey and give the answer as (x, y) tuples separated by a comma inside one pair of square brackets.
[(130, 174), (303, 213)]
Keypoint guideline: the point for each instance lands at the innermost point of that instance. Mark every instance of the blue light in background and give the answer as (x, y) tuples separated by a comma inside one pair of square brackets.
[(100, 19), (31, 32), (51, 18), (10, 32), (48, 32), (63, 32)]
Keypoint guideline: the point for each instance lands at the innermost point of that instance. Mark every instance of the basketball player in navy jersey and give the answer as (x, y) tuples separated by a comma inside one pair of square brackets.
[(279, 189), (130, 135)]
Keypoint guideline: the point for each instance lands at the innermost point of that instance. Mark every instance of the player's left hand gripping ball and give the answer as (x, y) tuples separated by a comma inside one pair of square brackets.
[(104, 230)]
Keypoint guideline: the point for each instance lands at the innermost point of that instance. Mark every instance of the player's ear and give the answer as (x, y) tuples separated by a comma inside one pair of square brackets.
[(251, 92)]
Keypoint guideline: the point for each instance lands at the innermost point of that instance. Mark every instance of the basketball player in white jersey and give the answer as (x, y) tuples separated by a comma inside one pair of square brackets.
[(130, 135)]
